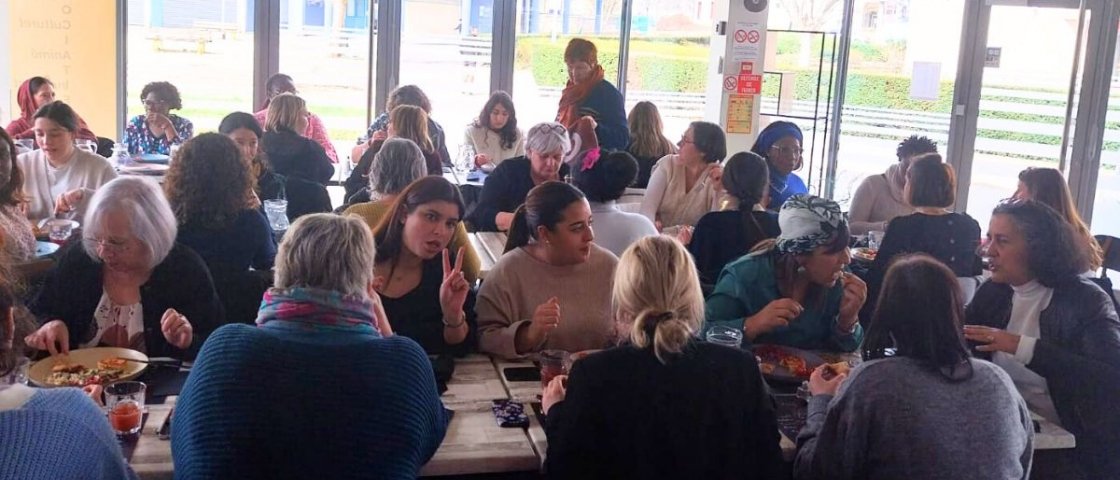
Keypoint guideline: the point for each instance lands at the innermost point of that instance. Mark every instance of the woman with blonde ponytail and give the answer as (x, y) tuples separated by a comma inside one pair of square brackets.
[(663, 404)]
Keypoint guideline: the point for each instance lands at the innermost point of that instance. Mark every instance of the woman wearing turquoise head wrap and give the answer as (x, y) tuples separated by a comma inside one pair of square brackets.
[(780, 144)]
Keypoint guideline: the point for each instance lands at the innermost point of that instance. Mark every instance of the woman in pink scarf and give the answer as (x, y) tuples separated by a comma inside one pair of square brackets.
[(34, 93)]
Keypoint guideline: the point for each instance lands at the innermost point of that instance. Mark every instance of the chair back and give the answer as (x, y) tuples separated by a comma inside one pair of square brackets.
[(1111, 247)]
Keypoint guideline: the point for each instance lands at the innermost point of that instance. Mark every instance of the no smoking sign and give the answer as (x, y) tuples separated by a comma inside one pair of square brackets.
[(741, 36), (730, 83), (752, 36)]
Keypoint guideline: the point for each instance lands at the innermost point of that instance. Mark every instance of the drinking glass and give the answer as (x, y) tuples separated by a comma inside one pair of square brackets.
[(125, 401), (553, 363), (87, 145), (277, 212), (28, 144), (59, 230), (466, 158), (18, 373), (875, 239), (725, 336)]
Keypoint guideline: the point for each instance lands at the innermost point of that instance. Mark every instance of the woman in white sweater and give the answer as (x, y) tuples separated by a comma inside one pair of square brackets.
[(59, 177), (685, 186), (494, 135), (552, 287)]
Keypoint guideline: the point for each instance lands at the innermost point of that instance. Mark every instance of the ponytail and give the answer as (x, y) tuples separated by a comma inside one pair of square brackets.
[(663, 330), (519, 231)]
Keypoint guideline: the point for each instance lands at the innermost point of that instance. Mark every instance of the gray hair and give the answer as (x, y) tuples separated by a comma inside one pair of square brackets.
[(398, 163), (328, 252), (548, 137), (150, 218)]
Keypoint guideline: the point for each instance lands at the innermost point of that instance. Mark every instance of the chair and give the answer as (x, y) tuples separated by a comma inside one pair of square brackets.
[(1111, 247), (105, 146)]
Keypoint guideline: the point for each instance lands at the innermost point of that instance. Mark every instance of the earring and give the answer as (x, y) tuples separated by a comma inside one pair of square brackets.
[(800, 269)]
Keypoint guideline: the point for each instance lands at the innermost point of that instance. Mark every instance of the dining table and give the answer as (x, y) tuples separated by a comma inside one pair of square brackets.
[(489, 246)]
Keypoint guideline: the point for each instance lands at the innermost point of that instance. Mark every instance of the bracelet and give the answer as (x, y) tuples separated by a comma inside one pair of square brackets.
[(457, 325)]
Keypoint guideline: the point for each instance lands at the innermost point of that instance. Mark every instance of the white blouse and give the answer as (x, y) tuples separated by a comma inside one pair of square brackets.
[(118, 325)]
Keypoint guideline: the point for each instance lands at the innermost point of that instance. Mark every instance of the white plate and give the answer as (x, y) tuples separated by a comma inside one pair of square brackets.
[(88, 357)]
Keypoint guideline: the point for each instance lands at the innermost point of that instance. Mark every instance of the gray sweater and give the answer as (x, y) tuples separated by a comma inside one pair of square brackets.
[(894, 418)]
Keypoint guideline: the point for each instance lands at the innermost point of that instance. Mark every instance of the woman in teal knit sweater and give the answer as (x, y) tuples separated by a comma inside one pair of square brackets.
[(794, 291)]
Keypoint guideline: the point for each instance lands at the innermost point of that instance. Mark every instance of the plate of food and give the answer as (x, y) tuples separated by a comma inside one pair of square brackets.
[(88, 366), (153, 158), (786, 364), (43, 249), (864, 254)]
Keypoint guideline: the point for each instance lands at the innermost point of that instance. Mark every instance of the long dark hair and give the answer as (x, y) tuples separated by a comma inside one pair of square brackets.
[(1047, 186), (745, 177), (544, 206), (509, 132), (61, 113), (919, 315), (12, 192), (389, 233), (1054, 255)]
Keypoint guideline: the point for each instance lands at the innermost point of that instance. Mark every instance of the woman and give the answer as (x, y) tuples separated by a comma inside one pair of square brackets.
[(725, 235), (505, 189), (397, 164), (158, 129), (932, 229), (1054, 331), (794, 291), (280, 83), (425, 298), (551, 289), (406, 122), (211, 193), (36, 424), (663, 405), (128, 284), (16, 232), (289, 153), (780, 144), (1047, 186), (588, 94), (405, 95), (60, 177), (246, 133), (682, 187), (604, 180), (33, 93), (647, 142), (494, 135), (321, 343), (881, 198), (902, 414)]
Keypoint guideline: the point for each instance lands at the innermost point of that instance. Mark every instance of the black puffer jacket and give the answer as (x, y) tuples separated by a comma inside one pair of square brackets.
[(1078, 353), (291, 155)]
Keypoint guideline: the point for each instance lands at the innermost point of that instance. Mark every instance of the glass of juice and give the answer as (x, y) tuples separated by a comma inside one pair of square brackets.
[(125, 401), (553, 363)]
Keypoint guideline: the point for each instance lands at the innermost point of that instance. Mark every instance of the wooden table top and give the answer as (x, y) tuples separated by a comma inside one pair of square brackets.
[(489, 246)]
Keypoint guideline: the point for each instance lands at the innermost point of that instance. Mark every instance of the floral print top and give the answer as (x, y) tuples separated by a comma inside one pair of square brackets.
[(141, 140)]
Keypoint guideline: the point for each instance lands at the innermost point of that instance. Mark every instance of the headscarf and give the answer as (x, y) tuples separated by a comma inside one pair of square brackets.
[(807, 222), (574, 95), (22, 127), (776, 131), (313, 309), (26, 100)]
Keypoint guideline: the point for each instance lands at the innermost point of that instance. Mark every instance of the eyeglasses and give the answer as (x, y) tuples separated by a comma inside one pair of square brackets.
[(787, 151), (684, 141), (112, 246), (152, 103), (550, 128)]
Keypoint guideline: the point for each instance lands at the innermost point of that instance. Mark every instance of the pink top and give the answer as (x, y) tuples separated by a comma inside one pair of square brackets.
[(315, 131)]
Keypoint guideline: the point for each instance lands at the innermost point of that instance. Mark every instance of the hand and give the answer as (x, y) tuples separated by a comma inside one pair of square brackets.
[(453, 291), (380, 319), (554, 392), (590, 121), (684, 234), (855, 293), (992, 339), (776, 314), (53, 337), (481, 159), (378, 136), (658, 225), (819, 386), (67, 202), (503, 220), (94, 393), (176, 329), (545, 319), (715, 175), (158, 123)]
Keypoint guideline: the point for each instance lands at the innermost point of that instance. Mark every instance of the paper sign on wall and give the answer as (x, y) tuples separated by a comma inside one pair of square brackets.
[(740, 108), (991, 57), (925, 83), (747, 42)]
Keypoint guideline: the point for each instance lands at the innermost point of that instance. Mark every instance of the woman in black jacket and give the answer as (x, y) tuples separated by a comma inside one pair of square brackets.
[(128, 284), (1055, 332), (289, 153)]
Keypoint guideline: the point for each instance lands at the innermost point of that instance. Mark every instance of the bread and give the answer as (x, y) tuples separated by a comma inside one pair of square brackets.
[(67, 368), (111, 363), (839, 368)]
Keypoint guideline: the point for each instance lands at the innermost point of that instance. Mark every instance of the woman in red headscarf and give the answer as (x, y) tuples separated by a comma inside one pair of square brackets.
[(588, 94), (34, 93)]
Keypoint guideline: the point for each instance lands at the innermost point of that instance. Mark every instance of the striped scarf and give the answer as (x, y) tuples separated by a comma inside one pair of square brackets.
[(312, 309)]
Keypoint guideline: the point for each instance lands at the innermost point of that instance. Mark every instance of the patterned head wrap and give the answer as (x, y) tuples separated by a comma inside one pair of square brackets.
[(807, 222)]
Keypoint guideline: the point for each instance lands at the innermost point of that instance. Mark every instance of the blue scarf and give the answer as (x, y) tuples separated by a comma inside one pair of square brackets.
[(313, 309)]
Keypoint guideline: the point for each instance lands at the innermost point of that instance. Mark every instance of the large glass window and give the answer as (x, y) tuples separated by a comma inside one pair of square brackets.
[(544, 28), (325, 47), (203, 47), (1105, 220), (669, 60)]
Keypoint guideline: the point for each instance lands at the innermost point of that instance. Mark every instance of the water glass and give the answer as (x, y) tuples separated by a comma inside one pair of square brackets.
[(466, 158), (277, 212), (553, 363), (28, 144), (725, 336), (59, 230), (125, 401), (875, 239), (87, 145), (18, 373)]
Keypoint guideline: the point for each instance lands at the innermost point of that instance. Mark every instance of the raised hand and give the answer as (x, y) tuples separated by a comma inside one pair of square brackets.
[(855, 293), (176, 329), (545, 319), (453, 291)]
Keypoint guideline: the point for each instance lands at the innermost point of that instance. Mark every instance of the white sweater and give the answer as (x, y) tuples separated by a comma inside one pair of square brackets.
[(44, 183), (488, 142)]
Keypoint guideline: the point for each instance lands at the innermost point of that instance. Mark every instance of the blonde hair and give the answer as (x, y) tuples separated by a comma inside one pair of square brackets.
[(329, 252), (646, 132), (411, 122), (284, 111), (656, 286)]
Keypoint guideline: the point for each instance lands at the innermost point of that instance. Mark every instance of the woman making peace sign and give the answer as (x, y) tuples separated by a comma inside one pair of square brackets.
[(411, 276)]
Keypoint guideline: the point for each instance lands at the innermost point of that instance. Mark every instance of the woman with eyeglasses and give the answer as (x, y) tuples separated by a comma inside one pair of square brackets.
[(547, 144), (1055, 332), (780, 144), (158, 129), (127, 283), (282, 83), (684, 186), (33, 93)]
